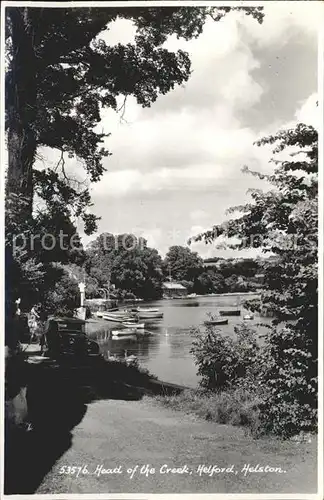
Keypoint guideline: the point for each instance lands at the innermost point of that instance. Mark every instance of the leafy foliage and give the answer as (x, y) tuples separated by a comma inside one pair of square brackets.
[(63, 299), (211, 281), (60, 75), (285, 221), (183, 264), (225, 361), (231, 275), (126, 262)]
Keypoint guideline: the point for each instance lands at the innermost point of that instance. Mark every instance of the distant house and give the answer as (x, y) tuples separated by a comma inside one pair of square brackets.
[(213, 263), (172, 289)]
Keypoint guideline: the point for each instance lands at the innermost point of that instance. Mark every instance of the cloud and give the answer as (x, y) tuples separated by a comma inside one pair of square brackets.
[(193, 137), (308, 113), (190, 124), (153, 236), (180, 151), (124, 183), (282, 20), (198, 215), (119, 31), (176, 167)]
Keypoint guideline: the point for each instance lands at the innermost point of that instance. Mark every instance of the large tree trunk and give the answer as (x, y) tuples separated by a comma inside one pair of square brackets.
[(21, 130), (21, 113)]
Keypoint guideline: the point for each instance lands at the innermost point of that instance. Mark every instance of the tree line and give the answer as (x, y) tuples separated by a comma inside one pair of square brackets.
[(140, 271)]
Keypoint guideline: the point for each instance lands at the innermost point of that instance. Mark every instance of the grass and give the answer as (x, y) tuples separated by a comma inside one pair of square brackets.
[(236, 407)]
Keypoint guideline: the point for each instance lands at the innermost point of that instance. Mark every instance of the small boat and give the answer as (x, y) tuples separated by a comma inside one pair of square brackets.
[(117, 313), (230, 312), (248, 317), (146, 309), (148, 313), (131, 324), (116, 317), (152, 319), (216, 321), (124, 311), (131, 338)]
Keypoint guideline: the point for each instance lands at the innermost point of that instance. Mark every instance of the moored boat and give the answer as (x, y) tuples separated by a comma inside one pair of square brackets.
[(130, 336), (146, 309), (216, 321), (116, 317), (230, 312), (124, 332), (148, 313), (131, 324), (151, 316)]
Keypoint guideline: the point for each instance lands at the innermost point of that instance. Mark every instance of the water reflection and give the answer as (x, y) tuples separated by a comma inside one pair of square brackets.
[(164, 348)]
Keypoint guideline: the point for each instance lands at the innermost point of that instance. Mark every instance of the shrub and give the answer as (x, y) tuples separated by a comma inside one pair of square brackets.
[(286, 218), (289, 373), (224, 361), (64, 299), (279, 378)]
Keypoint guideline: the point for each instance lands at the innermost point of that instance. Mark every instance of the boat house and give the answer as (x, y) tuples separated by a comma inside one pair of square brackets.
[(172, 289)]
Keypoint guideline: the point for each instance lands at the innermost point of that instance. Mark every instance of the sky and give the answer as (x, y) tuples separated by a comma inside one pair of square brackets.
[(176, 167)]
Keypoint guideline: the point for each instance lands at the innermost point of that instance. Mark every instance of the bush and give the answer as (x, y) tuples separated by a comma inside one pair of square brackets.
[(64, 299), (279, 377), (286, 217), (224, 361), (289, 373)]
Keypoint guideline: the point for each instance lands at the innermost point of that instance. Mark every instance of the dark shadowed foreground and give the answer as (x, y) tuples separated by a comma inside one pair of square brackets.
[(108, 426)]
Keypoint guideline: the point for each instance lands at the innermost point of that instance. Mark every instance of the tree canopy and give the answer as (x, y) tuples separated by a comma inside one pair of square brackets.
[(61, 74), (59, 77), (184, 265), (127, 263)]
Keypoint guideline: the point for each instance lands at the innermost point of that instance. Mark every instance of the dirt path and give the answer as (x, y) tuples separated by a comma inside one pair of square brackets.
[(122, 434)]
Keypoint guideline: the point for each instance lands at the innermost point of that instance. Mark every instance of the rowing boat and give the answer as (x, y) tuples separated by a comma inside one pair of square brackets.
[(217, 321), (131, 324)]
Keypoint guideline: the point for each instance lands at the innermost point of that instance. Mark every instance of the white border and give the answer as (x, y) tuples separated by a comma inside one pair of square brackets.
[(166, 3), (320, 69), (177, 496), (2, 229)]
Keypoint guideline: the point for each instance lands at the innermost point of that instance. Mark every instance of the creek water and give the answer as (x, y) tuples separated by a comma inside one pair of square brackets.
[(165, 352)]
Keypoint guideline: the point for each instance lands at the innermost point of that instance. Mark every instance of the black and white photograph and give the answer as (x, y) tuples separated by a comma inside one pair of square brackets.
[(163, 249)]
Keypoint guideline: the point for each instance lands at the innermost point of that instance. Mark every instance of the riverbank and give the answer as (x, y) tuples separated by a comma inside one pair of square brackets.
[(133, 302), (231, 294)]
